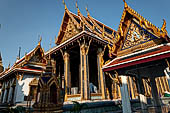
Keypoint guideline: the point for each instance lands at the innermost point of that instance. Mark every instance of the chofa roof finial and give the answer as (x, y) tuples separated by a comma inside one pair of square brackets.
[(88, 14), (64, 4), (125, 3), (39, 43), (164, 25), (78, 11)]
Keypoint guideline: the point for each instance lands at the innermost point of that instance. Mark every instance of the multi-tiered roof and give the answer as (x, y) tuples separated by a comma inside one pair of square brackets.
[(32, 62), (74, 25), (137, 41)]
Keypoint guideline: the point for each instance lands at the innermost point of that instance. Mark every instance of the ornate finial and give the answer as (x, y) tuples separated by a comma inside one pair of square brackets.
[(9, 65), (88, 14), (26, 57), (64, 4), (164, 25), (125, 3), (19, 53), (77, 7), (103, 31), (39, 43)]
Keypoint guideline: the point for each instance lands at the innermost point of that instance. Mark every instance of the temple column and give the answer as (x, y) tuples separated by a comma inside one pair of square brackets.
[(10, 94), (2, 93), (131, 88), (119, 92), (125, 95), (141, 91), (4, 97), (101, 76), (164, 83), (167, 73), (156, 98), (135, 87), (85, 91), (67, 74), (114, 87)]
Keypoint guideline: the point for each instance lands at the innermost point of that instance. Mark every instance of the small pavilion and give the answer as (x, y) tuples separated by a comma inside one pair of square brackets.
[(142, 51)]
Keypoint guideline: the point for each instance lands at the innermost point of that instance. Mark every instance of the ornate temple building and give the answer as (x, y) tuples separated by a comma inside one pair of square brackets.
[(92, 61), (19, 82), (141, 66), (84, 45), (77, 56)]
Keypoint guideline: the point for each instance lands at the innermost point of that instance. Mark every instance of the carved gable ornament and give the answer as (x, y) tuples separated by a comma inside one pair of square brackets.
[(70, 31), (36, 57), (137, 36)]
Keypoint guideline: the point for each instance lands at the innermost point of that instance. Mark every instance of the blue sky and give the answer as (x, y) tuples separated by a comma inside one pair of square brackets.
[(22, 21)]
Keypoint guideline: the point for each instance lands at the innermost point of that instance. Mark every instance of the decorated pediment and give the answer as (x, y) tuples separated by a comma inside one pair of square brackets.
[(70, 31), (37, 57), (137, 35)]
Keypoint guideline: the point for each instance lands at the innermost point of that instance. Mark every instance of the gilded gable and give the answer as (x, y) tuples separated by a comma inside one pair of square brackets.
[(70, 31), (137, 35), (137, 38)]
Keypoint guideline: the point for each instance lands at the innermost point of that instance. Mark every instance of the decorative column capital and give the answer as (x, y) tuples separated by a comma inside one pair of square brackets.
[(84, 49), (100, 54), (66, 55)]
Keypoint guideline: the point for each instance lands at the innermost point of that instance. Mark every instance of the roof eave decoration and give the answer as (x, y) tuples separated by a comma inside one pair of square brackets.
[(160, 33), (24, 60), (101, 29), (92, 28)]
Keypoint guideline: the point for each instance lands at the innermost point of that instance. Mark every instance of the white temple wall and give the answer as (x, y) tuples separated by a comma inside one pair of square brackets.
[(22, 87)]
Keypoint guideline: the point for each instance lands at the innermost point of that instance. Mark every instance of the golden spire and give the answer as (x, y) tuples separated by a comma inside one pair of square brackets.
[(64, 4), (78, 11), (39, 43), (9, 65), (88, 14)]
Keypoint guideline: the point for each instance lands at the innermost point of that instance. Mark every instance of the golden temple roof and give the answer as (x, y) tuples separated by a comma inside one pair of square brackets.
[(82, 23), (128, 14)]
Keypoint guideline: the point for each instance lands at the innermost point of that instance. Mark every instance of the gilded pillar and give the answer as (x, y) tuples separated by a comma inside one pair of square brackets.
[(164, 83), (102, 84), (85, 91), (53, 63), (114, 90), (67, 74), (135, 87), (155, 95), (119, 92), (161, 86), (167, 84), (131, 88)]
